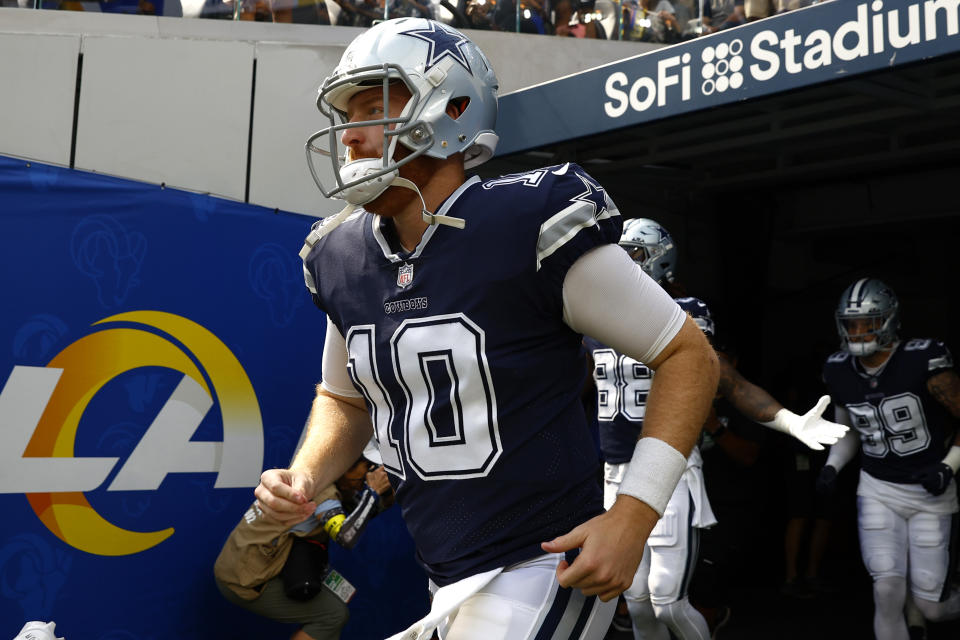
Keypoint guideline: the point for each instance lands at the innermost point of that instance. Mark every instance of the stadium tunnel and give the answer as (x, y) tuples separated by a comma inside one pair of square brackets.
[(780, 192)]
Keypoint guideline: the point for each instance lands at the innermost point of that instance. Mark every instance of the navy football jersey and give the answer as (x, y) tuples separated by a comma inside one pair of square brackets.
[(471, 376), (902, 427), (622, 388)]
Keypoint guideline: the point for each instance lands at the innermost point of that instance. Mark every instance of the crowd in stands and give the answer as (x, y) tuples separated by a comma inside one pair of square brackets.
[(655, 21)]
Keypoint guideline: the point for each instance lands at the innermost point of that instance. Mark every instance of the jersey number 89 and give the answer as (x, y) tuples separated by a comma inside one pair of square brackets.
[(897, 424)]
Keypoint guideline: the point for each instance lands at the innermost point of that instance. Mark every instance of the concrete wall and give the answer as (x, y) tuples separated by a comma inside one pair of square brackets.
[(207, 105)]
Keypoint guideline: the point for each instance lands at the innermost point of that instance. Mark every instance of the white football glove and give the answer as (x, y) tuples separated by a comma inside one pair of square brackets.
[(810, 428), (37, 630)]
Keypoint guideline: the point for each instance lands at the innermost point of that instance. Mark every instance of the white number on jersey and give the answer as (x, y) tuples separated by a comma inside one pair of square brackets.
[(450, 428), (623, 385), (897, 425)]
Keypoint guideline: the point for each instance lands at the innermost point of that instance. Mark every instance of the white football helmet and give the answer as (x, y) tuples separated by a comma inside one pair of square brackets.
[(650, 246), (867, 307), (437, 64), (37, 630)]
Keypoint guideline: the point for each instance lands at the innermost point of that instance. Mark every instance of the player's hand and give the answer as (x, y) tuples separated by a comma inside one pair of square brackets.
[(611, 547), (378, 481), (814, 431), (284, 495), (827, 480), (936, 478)]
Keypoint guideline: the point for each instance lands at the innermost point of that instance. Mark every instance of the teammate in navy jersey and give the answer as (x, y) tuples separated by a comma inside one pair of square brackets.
[(455, 310), (657, 599), (903, 398)]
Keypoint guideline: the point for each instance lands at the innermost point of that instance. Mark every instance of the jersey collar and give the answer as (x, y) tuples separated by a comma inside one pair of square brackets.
[(400, 256), (878, 371)]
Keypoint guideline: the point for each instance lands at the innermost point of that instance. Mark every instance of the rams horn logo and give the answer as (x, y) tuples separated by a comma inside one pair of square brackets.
[(41, 409)]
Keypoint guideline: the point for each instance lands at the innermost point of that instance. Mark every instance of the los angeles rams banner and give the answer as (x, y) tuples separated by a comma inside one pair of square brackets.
[(158, 350), (823, 42)]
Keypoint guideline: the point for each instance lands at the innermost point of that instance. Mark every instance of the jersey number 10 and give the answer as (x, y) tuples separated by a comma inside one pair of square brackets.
[(448, 408)]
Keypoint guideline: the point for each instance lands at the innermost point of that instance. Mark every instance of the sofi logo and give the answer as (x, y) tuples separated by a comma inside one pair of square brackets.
[(752, 56), (41, 409)]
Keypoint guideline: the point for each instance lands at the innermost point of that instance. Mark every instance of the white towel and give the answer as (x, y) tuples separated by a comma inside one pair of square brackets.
[(445, 601), (703, 515)]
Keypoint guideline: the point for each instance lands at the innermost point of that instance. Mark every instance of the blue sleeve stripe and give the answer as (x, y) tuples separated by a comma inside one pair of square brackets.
[(312, 522), (562, 226), (326, 505)]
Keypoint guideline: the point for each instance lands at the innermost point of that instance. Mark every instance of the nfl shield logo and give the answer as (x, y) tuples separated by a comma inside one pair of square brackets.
[(405, 275)]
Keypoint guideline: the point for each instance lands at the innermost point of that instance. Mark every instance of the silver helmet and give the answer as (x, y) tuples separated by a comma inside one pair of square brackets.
[(650, 246), (438, 65), (867, 308)]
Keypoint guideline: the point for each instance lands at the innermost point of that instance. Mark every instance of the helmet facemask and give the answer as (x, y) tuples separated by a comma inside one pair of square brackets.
[(651, 247), (358, 181), (652, 258), (438, 65), (855, 330)]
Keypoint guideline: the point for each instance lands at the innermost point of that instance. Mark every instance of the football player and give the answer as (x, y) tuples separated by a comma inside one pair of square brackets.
[(455, 312), (903, 398), (657, 599)]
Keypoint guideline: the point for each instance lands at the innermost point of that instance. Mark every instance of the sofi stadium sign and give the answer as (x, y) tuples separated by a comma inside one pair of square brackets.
[(734, 61), (41, 409)]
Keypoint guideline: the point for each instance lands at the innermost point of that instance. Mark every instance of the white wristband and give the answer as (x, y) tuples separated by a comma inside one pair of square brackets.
[(653, 473), (952, 458)]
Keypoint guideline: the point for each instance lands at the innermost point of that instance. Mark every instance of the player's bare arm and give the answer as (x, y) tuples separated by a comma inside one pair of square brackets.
[(338, 429), (749, 399), (612, 543), (757, 404), (945, 387), (687, 374)]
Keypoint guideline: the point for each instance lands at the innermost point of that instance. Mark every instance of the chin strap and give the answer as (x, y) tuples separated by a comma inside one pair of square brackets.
[(332, 222), (327, 225), (429, 218)]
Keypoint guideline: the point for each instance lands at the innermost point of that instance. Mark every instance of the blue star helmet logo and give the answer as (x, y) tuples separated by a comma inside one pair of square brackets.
[(443, 44)]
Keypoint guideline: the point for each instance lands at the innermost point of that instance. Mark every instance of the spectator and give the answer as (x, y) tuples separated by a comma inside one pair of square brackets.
[(758, 9), (722, 14), (300, 11), (531, 16), (409, 9), (577, 19), (480, 14), (270, 568), (650, 21)]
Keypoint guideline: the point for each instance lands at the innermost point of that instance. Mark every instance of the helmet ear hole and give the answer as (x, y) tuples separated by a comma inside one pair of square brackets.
[(456, 106)]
